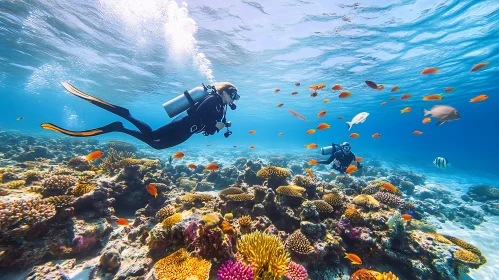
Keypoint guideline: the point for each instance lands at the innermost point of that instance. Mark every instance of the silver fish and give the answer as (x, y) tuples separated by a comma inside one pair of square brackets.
[(442, 112), (441, 162), (359, 118)]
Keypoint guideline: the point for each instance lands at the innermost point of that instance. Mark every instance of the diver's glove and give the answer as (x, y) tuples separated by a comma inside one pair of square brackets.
[(359, 165), (220, 125), (228, 124)]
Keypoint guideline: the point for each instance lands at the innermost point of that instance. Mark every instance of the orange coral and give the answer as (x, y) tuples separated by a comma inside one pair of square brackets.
[(364, 274), (227, 228)]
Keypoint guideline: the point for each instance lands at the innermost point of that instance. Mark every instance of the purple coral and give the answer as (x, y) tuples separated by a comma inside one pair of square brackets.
[(235, 271), (296, 272)]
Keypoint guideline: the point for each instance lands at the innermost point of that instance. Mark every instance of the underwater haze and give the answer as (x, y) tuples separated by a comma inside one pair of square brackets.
[(140, 54)]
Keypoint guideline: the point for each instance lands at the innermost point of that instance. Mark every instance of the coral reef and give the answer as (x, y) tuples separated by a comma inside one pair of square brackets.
[(275, 176), (180, 265), (58, 184), (389, 199), (296, 272), (366, 200), (297, 242), (235, 270)]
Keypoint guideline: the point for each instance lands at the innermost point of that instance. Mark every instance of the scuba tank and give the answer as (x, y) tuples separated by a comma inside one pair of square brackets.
[(184, 101), (329, 150)]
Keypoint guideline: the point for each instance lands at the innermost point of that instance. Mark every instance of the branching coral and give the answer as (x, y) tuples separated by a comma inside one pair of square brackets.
[(229, 191), (353, 215), (82, 189), (61, 201), (373, 187), (121, 146), (148, 163), (165, 212), (438, 237), (296, 272), (245, 221), (196, 197), (14, 184), (322, 206), (366, 200), (389, 199), (303, 181), (241, 197), (467, 257), (113, 157), (79, 164), (180, 265), (465, 245), (291, 190), (334, 199), (235, 271), (265, 253), (58, 184), (21, 215), (297, 242), (275, 176)]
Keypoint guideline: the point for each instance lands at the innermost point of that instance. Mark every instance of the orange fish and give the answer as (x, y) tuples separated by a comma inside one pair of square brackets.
[(431, 70), (358, 159), (392, 99), (351, 169), (252, 131), (389, 187), (310, 131), (479, 98), (340, 117), (376, 135), (280, 104), (372, 84), (353, 258), (323, 126), (309, 172), (94, 155), (312, 162), (406, 110), (211, 166), (193, 166), (322, 113), (426, 120), (354, 135), (122, 222), (314, 87), (178, 155), (405, 96), (433, 97), (277, 90), (337, 87), (280, 134), (297, 115), (449, 89), (321, 86), (326, 100), (297, 84), (380, 87), (383, 103), (314, 94), (294, 93), (344, 94), (152, 190), (417, 132), (395, 88), (407, 217), (311, 146), (479, 66), (252, 147)]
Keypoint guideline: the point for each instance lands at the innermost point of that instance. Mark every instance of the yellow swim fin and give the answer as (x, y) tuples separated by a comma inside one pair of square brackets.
[(92, 132), (69, 87)]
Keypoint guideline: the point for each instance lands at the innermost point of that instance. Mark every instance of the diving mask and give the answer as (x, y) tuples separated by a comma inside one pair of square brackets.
[(234, 95), (347, 148)]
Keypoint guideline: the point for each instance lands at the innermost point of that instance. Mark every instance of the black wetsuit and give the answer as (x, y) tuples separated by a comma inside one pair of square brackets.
[(202, 117), (341, 157)]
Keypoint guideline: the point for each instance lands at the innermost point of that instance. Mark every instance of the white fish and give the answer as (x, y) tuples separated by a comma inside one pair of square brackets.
[(442, 112), (441, 162), (360, 118)]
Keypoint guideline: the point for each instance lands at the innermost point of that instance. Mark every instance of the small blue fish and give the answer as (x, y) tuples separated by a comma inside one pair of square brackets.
[(410, 212)]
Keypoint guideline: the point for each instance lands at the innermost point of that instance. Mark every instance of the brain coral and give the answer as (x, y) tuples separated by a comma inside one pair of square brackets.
[(322, 206), (389, 199), (265, 253), (334, 199), (21, 215), (353, 215), (58, 184), (165, 212), (366, 200), (467, 257), (291, 190), (241, 197), (180, 265), (269, 172), (298, 243), (364, 274), (230, 190)]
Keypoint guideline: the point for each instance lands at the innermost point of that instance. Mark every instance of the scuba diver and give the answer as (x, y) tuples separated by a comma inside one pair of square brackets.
[(206, 108), (341, 155)]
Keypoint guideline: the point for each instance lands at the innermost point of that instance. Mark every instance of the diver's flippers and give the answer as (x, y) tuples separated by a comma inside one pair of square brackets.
[(115, 126), (120, 111)]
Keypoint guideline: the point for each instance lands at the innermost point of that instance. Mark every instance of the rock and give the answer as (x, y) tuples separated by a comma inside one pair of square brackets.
[(110, 260), (483, 193)]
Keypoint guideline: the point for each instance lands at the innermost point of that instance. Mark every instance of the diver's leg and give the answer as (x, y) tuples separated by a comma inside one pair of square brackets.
[(120, 111), (112, 127)]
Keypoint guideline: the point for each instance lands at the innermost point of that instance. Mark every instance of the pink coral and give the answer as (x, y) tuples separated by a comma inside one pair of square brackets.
[(296, 272), (235, 271)]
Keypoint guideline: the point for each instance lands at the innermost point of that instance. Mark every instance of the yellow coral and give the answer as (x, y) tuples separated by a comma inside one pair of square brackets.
[(265, 253), (193, 197), (467, 257), (211, 220), (334, 199), (273, 172), (298, 242), (353, 215), (14, 184), (172, 220), (366, 200), (322, 206), (82, 189), (241, 197), (230, 190), (60, 201), (303, 181), (387, 276), (180, 265), (364, 274), (229, 216), (438, 237), (165, 212), (291, 190), (245, 221), (463, 244)]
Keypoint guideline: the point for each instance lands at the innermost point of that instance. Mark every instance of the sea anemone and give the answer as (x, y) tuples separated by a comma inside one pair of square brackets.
[(296, 272), (235, 271)]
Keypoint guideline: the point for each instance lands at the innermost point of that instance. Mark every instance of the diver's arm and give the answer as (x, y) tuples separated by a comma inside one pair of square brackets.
[(205, 113), (328, 161)]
